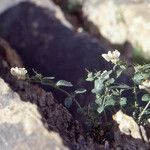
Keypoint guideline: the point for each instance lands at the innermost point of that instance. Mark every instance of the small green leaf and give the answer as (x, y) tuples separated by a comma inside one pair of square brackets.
[(110, 81), (98, 101), (123, 101), (110, 102), (64, 83), (98, 85), (90, 76), (100, 109), (104, 76), (68, 102), (121, 86), (147, 112), (138, 78), (49, 78), (80, 91), (146, 97), (119, 72)]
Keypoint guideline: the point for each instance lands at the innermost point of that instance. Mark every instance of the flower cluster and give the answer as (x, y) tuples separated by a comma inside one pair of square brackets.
[(20, 73), (145, 85), (112, 56)]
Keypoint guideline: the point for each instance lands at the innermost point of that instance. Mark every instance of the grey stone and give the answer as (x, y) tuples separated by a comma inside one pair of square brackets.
[(21, 127), (122, 20)]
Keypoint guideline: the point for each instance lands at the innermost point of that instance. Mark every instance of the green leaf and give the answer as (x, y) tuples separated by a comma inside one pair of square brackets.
[(100, 109), (110, 102), (49, 78), (121, 86), (68, 102), (104, 75), (98, 101), (64, 83), (147, 112), (138, 78), (97, 74), (119, 72), (98, 86), (90, 76), (80, 91), (123, 101), (110, 81), (146, 97)]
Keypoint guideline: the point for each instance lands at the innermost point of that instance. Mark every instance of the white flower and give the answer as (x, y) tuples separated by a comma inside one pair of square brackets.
[(112, 56), (20, 73), (145, 85)]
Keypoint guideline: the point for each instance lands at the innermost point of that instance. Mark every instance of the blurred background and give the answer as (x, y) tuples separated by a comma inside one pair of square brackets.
[(63, 37)]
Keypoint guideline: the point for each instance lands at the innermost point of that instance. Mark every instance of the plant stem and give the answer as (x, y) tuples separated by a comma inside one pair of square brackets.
[(141, 114), (135, 95), (56, 87), (68, 94)]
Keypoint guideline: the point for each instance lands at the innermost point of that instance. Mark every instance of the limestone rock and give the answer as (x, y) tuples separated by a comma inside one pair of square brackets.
[(54, 116), (120, 21), (128, 134), (9, 56), (20, 125), (6, 4)]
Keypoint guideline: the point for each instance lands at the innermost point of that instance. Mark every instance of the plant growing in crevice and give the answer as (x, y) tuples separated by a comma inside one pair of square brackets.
[(22, 73), (107, 89)]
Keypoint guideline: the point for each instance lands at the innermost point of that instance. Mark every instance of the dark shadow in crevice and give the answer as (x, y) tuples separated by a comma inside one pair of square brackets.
[(50, 48)]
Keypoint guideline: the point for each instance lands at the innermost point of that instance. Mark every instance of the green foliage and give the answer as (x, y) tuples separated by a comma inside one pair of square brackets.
[(107, 90), (68, 102), (146, 97), (80, 91), (64, 83)]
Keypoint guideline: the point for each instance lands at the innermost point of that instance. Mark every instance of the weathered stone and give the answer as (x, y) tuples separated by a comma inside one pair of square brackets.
[(9, 56), (128, 134), (20, 125), (121, 20), (6, 4), (54, 116)]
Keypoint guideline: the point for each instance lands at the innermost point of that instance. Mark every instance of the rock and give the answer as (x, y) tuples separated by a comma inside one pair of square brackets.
[(54, 116), (20, 125), (120, 21), (9, 55), (128, 135), (6, 4)]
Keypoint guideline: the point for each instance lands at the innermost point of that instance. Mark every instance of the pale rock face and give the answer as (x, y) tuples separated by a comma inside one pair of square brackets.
[(6, 4), (20, 125), (119, 21)]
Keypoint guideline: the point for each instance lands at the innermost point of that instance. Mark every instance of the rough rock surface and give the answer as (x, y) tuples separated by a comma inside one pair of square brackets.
[(121, 20), (20, 125), (128, 134), (6, 4), (54, 116)]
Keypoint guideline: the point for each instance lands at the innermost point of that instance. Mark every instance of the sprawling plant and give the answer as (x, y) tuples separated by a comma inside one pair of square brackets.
[(107, 89)]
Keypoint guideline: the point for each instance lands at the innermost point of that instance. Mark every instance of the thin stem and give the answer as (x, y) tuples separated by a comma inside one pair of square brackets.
[(135, 95), (56, 87), (141, 114)]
